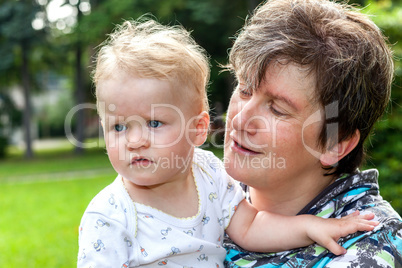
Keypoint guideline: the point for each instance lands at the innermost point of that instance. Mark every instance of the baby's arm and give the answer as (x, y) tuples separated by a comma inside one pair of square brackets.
[(262, 231)]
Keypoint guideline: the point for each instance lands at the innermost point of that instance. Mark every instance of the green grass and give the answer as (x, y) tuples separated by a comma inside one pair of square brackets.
[(51, 161), (42, 201), (39, 221)]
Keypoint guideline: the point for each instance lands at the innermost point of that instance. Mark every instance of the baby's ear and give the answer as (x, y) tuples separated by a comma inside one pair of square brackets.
[(340, 150), (201, 127), (101, 121)]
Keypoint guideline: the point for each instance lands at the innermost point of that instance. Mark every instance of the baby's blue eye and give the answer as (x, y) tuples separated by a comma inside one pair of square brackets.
[(120, 127), (154, 124)]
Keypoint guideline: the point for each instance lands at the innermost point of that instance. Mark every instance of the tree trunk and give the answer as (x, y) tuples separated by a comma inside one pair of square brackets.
[(27, 97), (79, 90), (80, 98)]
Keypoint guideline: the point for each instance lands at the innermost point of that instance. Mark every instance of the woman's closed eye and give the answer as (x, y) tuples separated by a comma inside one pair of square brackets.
[(277, 112), (245, 93)]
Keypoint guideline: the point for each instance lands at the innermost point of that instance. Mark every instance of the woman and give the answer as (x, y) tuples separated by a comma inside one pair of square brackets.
[(313, 78)]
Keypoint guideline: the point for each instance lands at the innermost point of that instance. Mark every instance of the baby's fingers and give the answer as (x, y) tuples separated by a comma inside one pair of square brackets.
[(351, 215), (357, 223), (335, 248), (361, 219), (368, 216), (366, 226), (356, 214), (364, 219)]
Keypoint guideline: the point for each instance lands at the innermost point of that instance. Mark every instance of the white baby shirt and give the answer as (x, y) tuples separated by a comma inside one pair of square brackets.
[(116, 232)]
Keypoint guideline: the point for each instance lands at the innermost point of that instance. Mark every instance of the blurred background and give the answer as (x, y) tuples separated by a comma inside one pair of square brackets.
[(46, 54)]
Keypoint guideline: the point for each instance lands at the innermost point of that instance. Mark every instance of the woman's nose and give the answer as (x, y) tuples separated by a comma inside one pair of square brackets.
[(246, 119)]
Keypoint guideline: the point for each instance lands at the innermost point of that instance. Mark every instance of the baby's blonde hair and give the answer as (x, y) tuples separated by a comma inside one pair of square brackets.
[(147, 49)]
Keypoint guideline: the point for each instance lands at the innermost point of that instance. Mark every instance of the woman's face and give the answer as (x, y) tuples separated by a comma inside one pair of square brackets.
[(272, 132)]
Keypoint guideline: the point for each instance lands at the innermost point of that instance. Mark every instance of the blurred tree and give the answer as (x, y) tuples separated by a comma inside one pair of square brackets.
[(79, 83), (212, 23), (9, 116), (385, 146), (70, 47), (17, 38)]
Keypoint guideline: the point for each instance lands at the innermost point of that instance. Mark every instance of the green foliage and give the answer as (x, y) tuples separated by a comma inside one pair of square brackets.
[(212, 23), (53, 114), (385, 146), (16, 30), (16, 17)]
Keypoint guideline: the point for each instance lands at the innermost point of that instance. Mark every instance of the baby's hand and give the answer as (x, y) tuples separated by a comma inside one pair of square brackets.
[(327, 232)]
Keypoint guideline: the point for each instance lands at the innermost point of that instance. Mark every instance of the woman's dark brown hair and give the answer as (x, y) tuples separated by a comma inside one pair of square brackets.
[(341, 47)]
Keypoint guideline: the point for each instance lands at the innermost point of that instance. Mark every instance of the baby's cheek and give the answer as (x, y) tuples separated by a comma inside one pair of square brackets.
[(116, 153), (111, 140)]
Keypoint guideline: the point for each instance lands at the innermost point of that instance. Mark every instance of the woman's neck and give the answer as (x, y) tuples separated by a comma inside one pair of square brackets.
[(289, 199)]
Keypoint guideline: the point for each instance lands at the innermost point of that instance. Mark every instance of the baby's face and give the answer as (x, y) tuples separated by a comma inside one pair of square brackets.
[(147, 126)]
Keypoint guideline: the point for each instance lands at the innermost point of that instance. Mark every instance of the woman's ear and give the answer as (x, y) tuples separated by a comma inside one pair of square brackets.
[(201, 128), (340, 150)]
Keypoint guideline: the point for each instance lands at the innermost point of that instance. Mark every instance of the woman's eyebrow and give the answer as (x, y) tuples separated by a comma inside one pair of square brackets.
[(284, 99)]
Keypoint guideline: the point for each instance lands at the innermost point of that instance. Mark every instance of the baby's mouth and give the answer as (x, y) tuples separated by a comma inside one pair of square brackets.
[(141, 161)]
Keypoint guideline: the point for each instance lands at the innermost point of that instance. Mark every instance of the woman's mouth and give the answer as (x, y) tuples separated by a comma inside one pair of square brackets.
[(237, 147)]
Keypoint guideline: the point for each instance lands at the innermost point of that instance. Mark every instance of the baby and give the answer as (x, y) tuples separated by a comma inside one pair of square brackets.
[(171, 202)]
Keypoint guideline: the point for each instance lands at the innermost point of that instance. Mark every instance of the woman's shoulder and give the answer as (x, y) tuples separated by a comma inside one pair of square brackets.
[(385, 242), (381, 247)]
